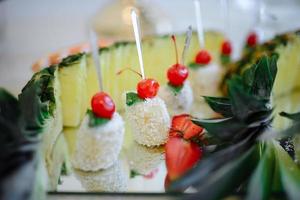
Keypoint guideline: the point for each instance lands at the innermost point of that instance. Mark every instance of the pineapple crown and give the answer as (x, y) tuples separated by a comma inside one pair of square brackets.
[(248, 105), (246, 112)]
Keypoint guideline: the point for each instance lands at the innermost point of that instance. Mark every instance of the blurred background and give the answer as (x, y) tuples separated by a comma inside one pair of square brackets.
[(33, 29)]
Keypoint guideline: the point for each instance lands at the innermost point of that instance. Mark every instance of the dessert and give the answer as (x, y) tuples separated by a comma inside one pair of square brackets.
[(177, 94), (142, 159), (147, 114), (205, 76), (113, 179), (100, 136)]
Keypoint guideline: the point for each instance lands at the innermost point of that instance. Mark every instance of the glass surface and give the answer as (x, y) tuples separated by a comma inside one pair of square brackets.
[(139, 169)]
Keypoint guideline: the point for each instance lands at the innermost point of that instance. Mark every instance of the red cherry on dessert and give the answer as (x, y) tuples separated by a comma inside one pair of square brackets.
[(102, 105), (203, 57), (177, 74), (226, 48), (252, 39), (147, 88)]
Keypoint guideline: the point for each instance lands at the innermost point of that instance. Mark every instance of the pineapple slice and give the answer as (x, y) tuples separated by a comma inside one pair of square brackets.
[(158, 54), (74, 92)]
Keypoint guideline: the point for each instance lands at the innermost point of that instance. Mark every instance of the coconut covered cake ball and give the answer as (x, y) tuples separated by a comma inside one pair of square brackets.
[(177, 93), (147, 114), (205, 76), (112, 179), (178, 100), (99, 139), (144, 159)]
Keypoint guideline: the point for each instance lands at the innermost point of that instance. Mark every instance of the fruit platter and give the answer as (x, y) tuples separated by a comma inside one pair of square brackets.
[(167, 114)]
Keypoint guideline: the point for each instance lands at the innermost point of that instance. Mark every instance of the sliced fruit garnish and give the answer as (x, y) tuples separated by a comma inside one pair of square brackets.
[(181, 156), (183, 126)]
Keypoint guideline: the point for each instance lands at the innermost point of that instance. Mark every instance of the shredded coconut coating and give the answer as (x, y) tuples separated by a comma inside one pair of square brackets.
[(149, 121), (144, 159), (98, 147), (205, 80), (179, 103), (113, 179)]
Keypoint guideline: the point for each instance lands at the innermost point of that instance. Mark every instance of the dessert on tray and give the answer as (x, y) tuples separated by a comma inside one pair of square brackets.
[(177, 93)]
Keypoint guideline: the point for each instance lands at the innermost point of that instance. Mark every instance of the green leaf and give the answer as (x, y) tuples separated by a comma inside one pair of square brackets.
[(9, 106), (96, 121), (225, 59), (260, 186), (133, 174), (18, 154), (194, 66), (132, 98), (224, 129), (264, 77), (243, 103), (175, 89), (289, 172), (220, 105), (292, 116)]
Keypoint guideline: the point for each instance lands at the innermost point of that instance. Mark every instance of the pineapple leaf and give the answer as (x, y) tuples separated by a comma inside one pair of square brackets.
[(289, 172), (260, 185), (221, 105), (264, 77), (243, 103), (18, 154), (224, 129), (292, 116)]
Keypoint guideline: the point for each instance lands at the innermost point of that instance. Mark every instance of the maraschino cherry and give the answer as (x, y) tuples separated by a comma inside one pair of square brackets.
[(146, 88), (177, 73), (226, 48), (252, 39), (203, 57), (103, 105)]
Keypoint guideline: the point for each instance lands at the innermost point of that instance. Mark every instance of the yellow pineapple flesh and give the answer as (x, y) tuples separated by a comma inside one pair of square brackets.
[(74, 96)]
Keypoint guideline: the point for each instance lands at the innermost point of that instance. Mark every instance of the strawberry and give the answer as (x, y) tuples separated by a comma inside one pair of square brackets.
[(181, 156), (167, 182), (182, 125)]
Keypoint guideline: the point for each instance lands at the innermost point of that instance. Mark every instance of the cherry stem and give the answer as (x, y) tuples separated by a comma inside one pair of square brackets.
[(132, 70), (175, 45)]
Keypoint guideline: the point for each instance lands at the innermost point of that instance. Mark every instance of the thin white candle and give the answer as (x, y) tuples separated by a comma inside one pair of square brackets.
[(200, 30), (96, 57), (187, 43), (137, 36)]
